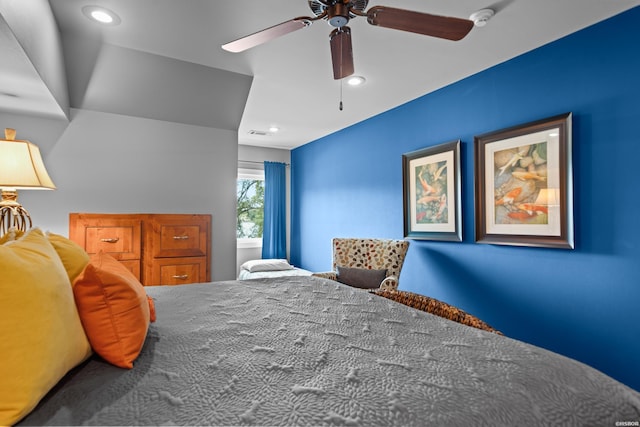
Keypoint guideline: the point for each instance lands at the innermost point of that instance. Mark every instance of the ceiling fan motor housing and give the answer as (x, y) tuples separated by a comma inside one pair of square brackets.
[(339, 12), (338, 15)]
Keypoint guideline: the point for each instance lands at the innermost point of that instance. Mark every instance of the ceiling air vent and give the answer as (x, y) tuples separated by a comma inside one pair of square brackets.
[(258, 132)]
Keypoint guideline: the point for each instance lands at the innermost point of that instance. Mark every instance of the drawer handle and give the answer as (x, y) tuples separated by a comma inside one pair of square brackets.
[(181, 276), (110, 240), (184, 237)]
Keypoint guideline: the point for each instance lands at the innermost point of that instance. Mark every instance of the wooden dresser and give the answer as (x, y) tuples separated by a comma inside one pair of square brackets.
[(159, 249)]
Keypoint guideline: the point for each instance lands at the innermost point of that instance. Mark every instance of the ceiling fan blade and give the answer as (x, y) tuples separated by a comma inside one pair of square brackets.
[(443, 27), (341, 52), (267, 34)]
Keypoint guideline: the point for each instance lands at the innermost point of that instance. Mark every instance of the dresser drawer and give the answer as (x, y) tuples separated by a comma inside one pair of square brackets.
[(178, 271), (120, 238), (134, 267), (182, 237)]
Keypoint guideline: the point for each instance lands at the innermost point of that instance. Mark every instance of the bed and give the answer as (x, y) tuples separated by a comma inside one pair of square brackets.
[(309, 351)]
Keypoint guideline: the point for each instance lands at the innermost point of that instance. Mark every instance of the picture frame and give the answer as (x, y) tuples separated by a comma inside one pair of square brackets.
[(431, 193), (524, 185)]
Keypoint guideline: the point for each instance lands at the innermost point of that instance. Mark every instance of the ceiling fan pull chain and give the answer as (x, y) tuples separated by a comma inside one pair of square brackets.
[(340, 106)]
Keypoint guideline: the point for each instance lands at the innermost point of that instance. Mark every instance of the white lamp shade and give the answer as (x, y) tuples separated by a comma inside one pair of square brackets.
[(21, 166)]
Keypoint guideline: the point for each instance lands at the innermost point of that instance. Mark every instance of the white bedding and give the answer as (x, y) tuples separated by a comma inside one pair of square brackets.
[(295, 271)]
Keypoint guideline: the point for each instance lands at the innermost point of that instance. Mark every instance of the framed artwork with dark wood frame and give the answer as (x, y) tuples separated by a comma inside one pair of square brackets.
[(524, 186), (431, 193)]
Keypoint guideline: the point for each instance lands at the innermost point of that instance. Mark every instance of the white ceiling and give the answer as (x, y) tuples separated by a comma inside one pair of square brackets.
[(292, 85), (22, 89)]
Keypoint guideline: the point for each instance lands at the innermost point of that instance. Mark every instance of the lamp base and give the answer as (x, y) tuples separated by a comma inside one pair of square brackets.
[(12, 214)]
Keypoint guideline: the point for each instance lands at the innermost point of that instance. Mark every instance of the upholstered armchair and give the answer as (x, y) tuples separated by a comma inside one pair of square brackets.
[(369, 254)]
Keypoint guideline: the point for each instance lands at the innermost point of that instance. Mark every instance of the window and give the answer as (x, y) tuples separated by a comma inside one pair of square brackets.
[(250, 208)]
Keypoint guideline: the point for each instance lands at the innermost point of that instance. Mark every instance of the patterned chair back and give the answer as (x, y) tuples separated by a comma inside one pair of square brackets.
[(375, 254)]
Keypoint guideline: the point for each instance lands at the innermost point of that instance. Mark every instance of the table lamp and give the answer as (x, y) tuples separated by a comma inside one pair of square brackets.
[(21, 168)]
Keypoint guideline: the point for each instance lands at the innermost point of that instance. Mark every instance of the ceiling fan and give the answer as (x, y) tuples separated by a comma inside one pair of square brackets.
[(339, 12)]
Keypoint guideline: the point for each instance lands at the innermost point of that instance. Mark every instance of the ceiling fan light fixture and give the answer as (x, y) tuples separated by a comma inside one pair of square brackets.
[(101, 15)]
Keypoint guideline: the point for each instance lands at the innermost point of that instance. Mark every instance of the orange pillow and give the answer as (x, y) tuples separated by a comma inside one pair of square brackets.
[(114, 310), (152, 309)]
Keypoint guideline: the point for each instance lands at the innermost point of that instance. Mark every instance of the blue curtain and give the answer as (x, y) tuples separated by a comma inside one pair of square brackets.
[(274, 235)]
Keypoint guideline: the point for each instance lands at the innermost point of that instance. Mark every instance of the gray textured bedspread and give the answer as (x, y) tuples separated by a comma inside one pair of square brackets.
[(308, 351)]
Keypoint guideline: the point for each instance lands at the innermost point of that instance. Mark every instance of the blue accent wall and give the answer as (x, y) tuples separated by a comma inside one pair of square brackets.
[(582, 303)]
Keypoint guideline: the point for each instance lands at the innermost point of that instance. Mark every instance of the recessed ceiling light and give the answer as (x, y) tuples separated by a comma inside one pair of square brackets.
[(101, 15), (274, 129), (356, 81)]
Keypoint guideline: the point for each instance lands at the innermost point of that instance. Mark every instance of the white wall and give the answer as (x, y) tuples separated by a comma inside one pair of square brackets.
[(34, 27), (252, 157), (111, 163)]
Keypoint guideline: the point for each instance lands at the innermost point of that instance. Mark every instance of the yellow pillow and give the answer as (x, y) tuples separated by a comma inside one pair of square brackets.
[(11, 235), (73, 257), (41, 337)]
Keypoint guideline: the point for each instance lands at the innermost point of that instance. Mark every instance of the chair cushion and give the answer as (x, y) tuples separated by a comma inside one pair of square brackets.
[(361, 277)]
